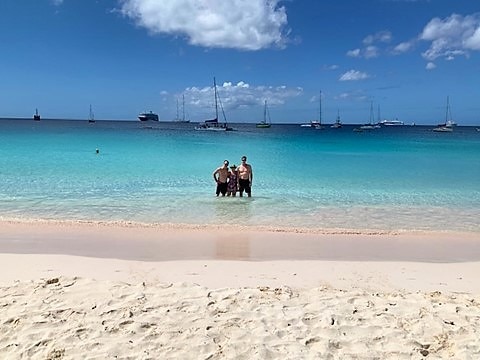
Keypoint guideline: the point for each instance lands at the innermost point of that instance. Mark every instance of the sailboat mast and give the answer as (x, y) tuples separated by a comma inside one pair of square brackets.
[(183, 107), (177, 117), (371, 113), (265, 112), (448, 110), (216, 104), (320, 109)]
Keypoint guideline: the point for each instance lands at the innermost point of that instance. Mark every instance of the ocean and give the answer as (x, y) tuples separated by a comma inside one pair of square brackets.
[(389, 179)]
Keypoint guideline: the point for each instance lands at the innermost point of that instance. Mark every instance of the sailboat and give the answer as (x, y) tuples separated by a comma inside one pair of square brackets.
[(213, 124), (338, 123), (91, 117), (266, 115), (36, 116), (318, 125), (182, 119), (370, 125), (448, 125)]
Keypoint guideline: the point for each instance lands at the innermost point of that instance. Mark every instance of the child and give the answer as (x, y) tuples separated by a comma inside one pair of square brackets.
[(232, 185)]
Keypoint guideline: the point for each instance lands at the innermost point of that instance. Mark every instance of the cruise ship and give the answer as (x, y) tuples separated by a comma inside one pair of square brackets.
[(392, 122), (148, 116)]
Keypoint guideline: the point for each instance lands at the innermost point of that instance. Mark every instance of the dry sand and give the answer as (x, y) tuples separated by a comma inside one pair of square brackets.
[(100, 291)]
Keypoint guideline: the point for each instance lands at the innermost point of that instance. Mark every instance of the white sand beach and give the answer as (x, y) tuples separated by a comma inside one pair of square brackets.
[(124, 291)]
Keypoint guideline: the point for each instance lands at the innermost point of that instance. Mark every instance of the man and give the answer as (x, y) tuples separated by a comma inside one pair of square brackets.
[(221, 180), (245, 177)]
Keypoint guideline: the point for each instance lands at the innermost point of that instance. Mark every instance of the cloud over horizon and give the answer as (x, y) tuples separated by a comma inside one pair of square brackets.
[(240, 95), (238, 24)]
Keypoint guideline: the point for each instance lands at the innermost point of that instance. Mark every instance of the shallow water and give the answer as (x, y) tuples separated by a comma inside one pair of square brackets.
[(392, 178)]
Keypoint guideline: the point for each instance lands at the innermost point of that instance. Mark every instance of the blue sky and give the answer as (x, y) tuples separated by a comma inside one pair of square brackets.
[(128, 56)]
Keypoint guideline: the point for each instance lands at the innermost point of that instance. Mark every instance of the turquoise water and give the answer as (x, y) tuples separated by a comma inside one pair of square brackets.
[(393, 178)]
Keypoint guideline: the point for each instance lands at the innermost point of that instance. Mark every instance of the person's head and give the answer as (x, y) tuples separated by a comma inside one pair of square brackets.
[(225, 163), (233, 167), (244, 159)]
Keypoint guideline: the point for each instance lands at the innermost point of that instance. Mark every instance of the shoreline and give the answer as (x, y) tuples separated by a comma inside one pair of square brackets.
[(219, 257), (168, 242), (235, 227)]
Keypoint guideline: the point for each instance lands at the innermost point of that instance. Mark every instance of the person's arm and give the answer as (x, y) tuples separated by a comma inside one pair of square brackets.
[(251, 176), (215, 173)]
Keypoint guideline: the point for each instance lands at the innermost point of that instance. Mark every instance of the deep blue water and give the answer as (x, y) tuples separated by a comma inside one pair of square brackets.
[(390, 178)]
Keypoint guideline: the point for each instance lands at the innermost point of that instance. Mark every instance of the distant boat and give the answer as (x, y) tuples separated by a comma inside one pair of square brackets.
[(337, 124), (213, 124), (318, 125), (443, 129), (369, 126), (36, 116), (448, 125), (392, 122), (265, 123), (311, 124), (182, 119), (91, 117), (148, 116)]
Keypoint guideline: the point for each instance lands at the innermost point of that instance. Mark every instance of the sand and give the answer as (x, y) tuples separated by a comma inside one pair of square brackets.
[(127, 291)]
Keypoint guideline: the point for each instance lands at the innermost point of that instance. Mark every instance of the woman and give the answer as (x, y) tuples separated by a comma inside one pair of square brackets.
[(232, 185)]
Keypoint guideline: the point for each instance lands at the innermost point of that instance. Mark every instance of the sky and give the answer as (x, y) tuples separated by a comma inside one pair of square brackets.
[(124, 57)]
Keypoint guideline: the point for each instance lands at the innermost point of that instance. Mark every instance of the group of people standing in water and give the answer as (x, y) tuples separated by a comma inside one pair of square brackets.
[(233, 179)]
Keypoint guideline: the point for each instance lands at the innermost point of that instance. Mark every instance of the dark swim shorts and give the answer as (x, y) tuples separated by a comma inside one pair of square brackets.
[(221, 188), (244, 185)]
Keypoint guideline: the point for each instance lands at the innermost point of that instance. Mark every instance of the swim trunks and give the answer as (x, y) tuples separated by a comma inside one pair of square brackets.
[(244, 185), (221, 188)]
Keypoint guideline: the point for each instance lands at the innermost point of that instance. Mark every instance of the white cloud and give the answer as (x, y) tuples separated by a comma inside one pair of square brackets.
[(353, 75), (351, 96), (383, 36), (403, 47), (57, 2), (451, 37), (430, 66), (240, 95), (240, 24), (473, 42), (354, 53), (331, 67), (370, 52)]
